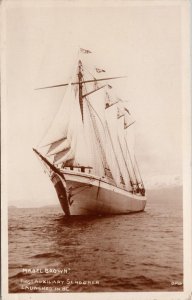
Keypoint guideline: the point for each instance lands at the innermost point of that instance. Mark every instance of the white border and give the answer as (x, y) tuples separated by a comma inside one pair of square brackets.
[(186, 95)]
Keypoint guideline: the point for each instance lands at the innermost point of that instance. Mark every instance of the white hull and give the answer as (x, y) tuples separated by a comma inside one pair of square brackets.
[(91, 195)]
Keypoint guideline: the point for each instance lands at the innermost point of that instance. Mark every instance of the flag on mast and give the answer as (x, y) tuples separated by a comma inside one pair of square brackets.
[(85, 51), (99, 70)]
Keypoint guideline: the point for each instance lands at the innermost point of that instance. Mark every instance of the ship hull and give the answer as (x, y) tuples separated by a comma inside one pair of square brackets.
[(90, 195)]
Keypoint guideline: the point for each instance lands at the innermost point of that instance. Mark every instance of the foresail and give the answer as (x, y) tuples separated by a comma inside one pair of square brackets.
[(76, 153), (58, 146), (64, 156), (60, 155), (71, 135), (59, 126)]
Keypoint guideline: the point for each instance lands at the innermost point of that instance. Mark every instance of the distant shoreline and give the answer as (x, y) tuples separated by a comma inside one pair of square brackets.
[(150, 192)]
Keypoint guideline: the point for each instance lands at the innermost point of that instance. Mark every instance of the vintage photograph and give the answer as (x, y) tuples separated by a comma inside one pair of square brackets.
[(95, 135)]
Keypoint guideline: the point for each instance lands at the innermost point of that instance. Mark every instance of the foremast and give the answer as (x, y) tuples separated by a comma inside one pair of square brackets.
[(80, 78)]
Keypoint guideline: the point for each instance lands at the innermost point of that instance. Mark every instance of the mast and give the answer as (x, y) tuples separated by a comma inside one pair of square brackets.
[(80, 77)]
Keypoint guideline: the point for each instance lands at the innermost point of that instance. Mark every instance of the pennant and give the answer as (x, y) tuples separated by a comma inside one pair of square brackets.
[(127, 110), (126, 125), (109, 101), (85, 51), (120, 112), (99, 70), (127, 120), (109, 86)]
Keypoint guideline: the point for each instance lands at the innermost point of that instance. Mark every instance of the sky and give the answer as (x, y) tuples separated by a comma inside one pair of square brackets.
[(142, 42)]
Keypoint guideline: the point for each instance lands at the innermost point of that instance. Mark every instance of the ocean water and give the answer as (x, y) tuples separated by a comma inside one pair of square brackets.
[(138, 252)]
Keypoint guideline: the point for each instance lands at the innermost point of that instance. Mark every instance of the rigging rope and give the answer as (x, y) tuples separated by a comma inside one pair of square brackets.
[(137, 183), (104, 161), (96, 131), (131, 182), (139, 171), (121, 176)]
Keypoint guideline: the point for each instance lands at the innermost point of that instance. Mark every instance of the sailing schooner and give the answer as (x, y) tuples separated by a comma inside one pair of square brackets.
[(88, 151)]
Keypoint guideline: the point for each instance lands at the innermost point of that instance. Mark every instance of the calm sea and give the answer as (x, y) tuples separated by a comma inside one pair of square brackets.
[(138, 252)]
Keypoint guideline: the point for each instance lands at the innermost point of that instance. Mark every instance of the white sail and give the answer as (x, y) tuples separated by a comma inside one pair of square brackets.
[(60, 155), (118, 169), (112, 158), (100, 103), (93, 140), (121, 139), (82, 147), (105, 150), (77, 151), (103, 140), (59, 126), (58, 146), (96, 110), (71, 132), (129, 134)]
